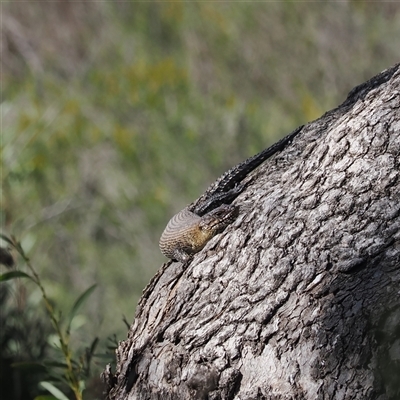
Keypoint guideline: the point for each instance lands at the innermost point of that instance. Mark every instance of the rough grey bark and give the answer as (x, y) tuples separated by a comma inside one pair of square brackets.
[(300, 297)]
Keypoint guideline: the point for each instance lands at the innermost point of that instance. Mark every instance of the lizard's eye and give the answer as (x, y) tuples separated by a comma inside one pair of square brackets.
[(203, 226)]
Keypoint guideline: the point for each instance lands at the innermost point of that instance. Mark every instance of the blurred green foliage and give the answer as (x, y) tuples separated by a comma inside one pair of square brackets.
[(115, 115)]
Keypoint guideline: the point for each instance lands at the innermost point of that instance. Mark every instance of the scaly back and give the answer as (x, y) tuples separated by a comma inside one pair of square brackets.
[(178, 230)]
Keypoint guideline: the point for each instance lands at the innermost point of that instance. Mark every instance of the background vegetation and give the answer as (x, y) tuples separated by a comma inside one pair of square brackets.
[(115, 115)]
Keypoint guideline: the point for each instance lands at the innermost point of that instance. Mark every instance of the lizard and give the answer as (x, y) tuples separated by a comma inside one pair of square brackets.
[(189, 230)]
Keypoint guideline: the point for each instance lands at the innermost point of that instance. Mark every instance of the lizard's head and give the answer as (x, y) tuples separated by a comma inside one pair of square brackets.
[(217, 220)]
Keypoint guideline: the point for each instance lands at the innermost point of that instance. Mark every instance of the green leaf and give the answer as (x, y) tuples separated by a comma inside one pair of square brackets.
[(6, 239), (93, 346), (45, 397), (55, 377), (55, 364), (82, 385), (15, 274), (78, 303), (57, 393)]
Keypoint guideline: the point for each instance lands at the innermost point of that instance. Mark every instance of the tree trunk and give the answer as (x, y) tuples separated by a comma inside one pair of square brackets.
[(300, 297)]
